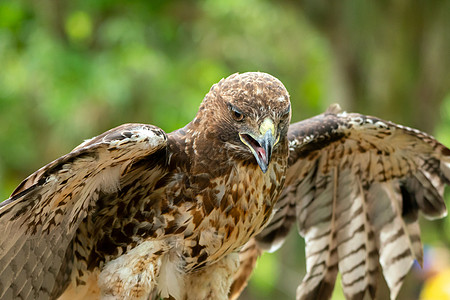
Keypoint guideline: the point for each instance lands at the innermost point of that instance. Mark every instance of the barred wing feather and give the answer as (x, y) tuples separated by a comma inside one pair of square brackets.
[(357, 184)]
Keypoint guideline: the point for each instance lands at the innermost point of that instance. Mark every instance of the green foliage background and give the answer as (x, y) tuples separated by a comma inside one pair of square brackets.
[(70, 70)]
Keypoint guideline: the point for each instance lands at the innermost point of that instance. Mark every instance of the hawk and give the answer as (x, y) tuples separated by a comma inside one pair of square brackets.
[(138, 213)]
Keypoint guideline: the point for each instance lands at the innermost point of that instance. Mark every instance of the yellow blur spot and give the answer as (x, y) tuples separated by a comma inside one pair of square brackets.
[(437, 287), (79, 26)]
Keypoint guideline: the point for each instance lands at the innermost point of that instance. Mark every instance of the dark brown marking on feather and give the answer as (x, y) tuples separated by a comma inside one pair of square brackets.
[(410, 209), (202, 257), (180, 229), (360, 295), (197, 218), (323, 249), (235, 214), (50, 225), (208, 202), (325, 218), (361, 149), (405, 254), (170, 227), (267, 211), (199, 266), (79, 282), (225, 205), (372, 254), (119, 237), (351, 253), (23, 209), (318, 237), (352, 217), (313, 275), (273, 188), (78, 255), (446, 151), (394, 237), (228, 231), (150, 162), (106, 245), (20, 190), (163, 181), (356, 280), (197, 249), (313, 189), (130, 229), (165, 208)]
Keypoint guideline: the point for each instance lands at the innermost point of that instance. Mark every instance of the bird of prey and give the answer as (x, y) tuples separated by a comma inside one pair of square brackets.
[(136, 213)]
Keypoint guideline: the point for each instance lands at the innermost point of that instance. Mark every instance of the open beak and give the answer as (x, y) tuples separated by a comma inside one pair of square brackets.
[(262, 145)]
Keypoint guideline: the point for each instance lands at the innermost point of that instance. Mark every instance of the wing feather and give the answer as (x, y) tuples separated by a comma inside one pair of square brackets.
[(385, 174), (40, 219), (318, 229), (355, 239)]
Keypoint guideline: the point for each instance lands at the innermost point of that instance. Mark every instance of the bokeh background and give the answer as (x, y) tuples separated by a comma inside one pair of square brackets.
[(70, 70)]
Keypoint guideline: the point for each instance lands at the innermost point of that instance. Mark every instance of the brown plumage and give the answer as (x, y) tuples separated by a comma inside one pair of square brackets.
[(137, 213)]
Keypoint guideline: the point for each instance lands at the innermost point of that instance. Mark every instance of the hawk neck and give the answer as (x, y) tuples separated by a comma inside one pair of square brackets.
[(198, 151)]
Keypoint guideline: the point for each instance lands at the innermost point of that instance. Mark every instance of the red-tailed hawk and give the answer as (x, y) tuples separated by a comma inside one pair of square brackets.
[(137, 213)]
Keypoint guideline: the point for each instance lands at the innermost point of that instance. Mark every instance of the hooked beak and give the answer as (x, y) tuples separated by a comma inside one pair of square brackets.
[(261, 146)]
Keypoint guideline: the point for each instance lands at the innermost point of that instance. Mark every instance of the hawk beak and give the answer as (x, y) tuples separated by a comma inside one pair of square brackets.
[(261, 146)]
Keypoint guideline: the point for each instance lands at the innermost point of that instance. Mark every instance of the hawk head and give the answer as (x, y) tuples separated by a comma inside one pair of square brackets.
[(247, 114)]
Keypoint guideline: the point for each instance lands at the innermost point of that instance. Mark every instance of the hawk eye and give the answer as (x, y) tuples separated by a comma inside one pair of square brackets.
[(286, 112), (237, 115)]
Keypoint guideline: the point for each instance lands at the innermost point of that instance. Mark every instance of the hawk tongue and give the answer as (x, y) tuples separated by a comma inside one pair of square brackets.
[(261, 153), (261, 148)]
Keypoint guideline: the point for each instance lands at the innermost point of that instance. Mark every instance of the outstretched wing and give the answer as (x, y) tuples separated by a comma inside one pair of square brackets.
[(40, 218), (355, 185)]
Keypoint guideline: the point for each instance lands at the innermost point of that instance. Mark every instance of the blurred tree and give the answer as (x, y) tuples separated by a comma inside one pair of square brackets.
[(390, 56)]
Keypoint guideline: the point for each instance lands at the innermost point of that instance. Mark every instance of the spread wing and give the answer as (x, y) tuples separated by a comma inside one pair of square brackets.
[(40, 218), (355, 185)]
